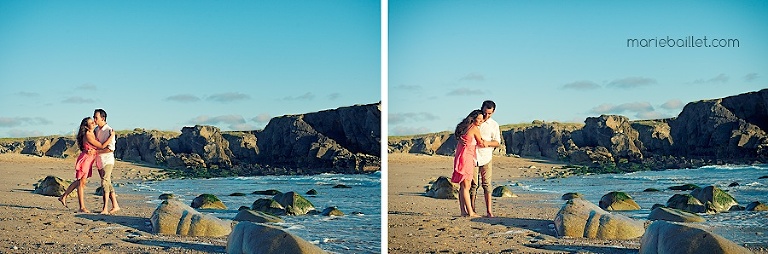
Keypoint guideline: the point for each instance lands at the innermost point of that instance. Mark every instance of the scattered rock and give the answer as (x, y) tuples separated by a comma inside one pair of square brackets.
[(684, 187), (580, 218), (686, 202), (656, 206), (572, 195), (208, 201), (672, 237), (341, 186), (618, 201), (443, 189), (242, 207), (312, 192), (733, 184), (52, 186), (671, 214), (763, 177), (175, 218), (269, 206), (237, 194), (267, 192), (332, 211), (294, 203), (256, 216), (166, 196), (757, 206), (248, 237), (651, 190), (721, 200), (503, 192), (99, 191)]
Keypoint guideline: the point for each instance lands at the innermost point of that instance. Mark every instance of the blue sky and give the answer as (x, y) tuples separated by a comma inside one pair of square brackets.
[(565, 60), (168, 64)]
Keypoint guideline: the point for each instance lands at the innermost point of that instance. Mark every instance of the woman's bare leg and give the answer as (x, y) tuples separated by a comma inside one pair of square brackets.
[(72, 186), (81, 195)]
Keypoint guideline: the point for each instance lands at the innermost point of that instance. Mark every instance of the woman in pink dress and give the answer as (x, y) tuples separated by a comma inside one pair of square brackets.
[(88, 145), (468, 138)]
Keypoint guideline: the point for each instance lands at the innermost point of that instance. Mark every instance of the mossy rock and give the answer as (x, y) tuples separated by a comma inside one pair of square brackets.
[(684, 187), (294, 203), (332, 211), (53, 186), (721, 200), (341, 186), (208, 201), (503, 192), (167, 196), (312, 192), (618, 201), (686, 202), (269, 206)]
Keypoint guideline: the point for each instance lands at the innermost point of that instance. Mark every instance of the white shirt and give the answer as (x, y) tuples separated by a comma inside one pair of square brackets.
[(489, 131), (102, 134)]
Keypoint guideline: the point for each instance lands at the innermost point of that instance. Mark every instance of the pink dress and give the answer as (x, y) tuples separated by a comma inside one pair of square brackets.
[(464, 159), (85, 162)]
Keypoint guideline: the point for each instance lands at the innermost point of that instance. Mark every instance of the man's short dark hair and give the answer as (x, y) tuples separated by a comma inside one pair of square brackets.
[(489, 104), (104, 113)]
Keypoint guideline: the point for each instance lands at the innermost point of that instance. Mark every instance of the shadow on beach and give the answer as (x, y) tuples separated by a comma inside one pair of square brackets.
[(582, 248), (183, 245), (138, 223), (536, 225)]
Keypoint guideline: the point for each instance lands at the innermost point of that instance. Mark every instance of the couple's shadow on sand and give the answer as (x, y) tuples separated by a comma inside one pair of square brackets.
[(146, 237), (542, 227)]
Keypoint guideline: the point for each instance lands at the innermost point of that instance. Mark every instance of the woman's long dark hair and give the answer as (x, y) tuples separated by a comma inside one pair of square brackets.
[(463, 126), (81, 133)]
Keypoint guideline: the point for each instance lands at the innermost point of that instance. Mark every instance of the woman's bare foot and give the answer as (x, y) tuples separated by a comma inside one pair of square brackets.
[(489, 215), (63, 201), (104, 212), (473, 215), (115, 210), (83, 210)]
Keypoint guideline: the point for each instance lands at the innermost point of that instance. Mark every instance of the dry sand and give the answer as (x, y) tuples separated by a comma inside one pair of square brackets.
[(420, 224), (33, 223)]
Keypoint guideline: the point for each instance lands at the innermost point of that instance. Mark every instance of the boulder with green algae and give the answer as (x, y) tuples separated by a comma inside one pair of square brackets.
[(443, 188), (618, 201), (686, 202), (269, 206), (503, 192), (721, 200), (294, 203), (208, 201)]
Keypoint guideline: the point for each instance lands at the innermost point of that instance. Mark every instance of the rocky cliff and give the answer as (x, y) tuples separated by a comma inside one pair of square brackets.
[(727, 130), (343, 140)]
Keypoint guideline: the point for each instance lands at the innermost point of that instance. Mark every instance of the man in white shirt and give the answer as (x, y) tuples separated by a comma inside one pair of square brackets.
[(491, 134), (107, 156)]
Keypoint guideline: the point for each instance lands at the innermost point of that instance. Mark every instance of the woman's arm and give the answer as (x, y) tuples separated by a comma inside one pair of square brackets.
[(91, 138), (476, 135)]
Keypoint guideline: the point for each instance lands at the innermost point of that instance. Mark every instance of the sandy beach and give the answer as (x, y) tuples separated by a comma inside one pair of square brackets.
[(33, 223), (421, 224)]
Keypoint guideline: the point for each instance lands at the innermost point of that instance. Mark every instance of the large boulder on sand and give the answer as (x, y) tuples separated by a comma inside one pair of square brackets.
[(208, 201), (256, 216), (175, 218), (618, 201), (580, 218), (294, 203), (672, 214), (671, 237), (444, 189), (250, 237), (52, 186), (721, 200)]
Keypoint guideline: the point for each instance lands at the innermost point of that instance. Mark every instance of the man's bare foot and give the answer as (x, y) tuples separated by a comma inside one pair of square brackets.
[(473, 215), (104, 212), (63, 201), (83, 210), (115, 210)]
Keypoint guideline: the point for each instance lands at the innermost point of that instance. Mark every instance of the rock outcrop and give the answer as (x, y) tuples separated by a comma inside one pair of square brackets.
[(208, 201), (671, 237), (757, 206), (580, 218), (671, 214), (256, 216), (443, 188), (248, 238), (342, 140), (52, 186), (294, 203), (720, 200), (175, 218), (618, 201), (503, 192)]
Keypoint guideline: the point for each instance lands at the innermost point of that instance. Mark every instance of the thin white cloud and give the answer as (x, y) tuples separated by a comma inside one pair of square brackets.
[(581, 85), (262, 118), (474, 77), (242, 127), (465, 92), (396, 118), (636, 107), (306, 96), (183, 98), (401, 130), (651, 115), (15, 133), (751, 77), (228, 97), (334, 96), (672, 104), (225, 119), (719, 79), (631, 82), (78, 100)]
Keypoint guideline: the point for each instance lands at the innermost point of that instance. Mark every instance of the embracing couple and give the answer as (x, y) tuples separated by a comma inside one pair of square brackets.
[(477, 136), (96, 141)]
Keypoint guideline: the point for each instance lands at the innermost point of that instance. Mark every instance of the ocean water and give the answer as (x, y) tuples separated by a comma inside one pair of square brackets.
[(744, 227), (342, 234)]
